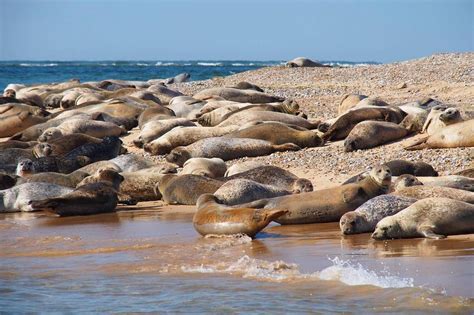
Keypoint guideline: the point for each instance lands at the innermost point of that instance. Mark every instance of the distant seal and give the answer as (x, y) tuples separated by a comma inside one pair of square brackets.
[(226, 149), (180, 78), (327, 205), (17, 198), (242, 167), (452, 181), (346, 122), (186, 189), (275, 176), (421, 192), (453, 136), (239, 191), (349, 101), (213, 167), (183, 136), (237, 95), (365, 218), (88, 199), (214, 218), (156, 128), (244, 85), (369, 134), (303, 62), (67, 180), (63, 145), (431, 218), (278, 133), (93, 128), (108, 149), (405, 180), (247, 116)]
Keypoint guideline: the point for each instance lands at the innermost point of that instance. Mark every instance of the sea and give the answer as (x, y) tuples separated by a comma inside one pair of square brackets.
[(31, 72)]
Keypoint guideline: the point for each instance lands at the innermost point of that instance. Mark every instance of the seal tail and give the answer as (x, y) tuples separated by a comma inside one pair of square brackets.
[(43, 205), (418, 144)]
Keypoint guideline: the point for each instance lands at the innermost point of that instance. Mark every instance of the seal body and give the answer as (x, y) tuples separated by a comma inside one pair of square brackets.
[(214, 218), (365, 218), (226, 149), (369, 134), (431, 218), (421, 192), (239, 191), (453, 136), (213, 168), (186, 189)]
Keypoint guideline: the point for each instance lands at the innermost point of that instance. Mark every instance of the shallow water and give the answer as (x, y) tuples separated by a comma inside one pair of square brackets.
[(151, 259)]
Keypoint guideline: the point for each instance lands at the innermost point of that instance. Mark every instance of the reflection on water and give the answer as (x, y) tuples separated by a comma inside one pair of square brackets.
[(151, 259)]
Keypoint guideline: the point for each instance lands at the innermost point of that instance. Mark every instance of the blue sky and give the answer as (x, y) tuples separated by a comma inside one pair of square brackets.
[(377, 30)]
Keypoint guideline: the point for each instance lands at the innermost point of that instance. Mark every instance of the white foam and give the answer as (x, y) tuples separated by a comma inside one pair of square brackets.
[(356, 274), (210, 64), (164, 64), (38, 64)]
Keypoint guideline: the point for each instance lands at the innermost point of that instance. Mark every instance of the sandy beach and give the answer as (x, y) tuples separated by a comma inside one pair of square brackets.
[(309, 267)]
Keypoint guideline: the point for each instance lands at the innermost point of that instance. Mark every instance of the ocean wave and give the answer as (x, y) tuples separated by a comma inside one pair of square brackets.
[(38, 64), (343, 271), (165, 64), (209, 64)]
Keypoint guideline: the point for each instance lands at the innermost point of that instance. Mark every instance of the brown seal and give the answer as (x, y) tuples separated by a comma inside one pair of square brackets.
[(63, 145), (100, 197), (66, 180), (93, 128), (153, 113), (214, 218), (226, 149), (431, 218), (15, 123), (156, 128), (7, 181), (186, 189), (278, 133), (327, 205), (453, 136), (349, 101), (237, 95), (369, 134), (213, 168)]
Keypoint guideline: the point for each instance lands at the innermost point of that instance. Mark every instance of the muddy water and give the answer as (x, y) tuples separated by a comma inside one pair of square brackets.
[(151, 259)]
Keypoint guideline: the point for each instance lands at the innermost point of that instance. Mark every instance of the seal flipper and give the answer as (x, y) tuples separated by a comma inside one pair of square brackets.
[(349, 196), (418, 144), (427, 231)]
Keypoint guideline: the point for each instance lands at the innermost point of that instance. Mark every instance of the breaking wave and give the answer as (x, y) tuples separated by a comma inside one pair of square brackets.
[(38, 64)]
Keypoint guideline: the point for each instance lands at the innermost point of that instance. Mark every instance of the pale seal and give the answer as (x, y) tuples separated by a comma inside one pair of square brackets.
[(239, 191), (213, 168), (421, 192), (453, 136), (431, 218), (369, 134)]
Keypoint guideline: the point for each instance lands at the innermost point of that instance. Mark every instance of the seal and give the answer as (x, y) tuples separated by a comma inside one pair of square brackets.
[(180, 78), (226, 149), (164, 93), (94, 167), (156, 128), (452, 181), (403, 181), (17, 198), (108, 149), (414, 122), (243, 117), (467, 173), (327, 205), (16, 144), (440, 117), (186, 189), (133, 162), (242, 167), (244, 85), (421, 192), (346, 122), (418, 168), (369, 134), (365, 218), (213, 168), (237, 95), (14, 155), (278, 133), (153, 113), (63, 145), (433, 218), (275, 176), (18, 122), (100, 197), (303, 62), (56, 164), (214, 218), (349, 101), (186, 108), (93, 128), (67, 180), (239, 191), (183, 136), (453, 136)]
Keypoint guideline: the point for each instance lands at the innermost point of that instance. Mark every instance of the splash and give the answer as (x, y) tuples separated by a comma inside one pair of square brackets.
[(355, 274)]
